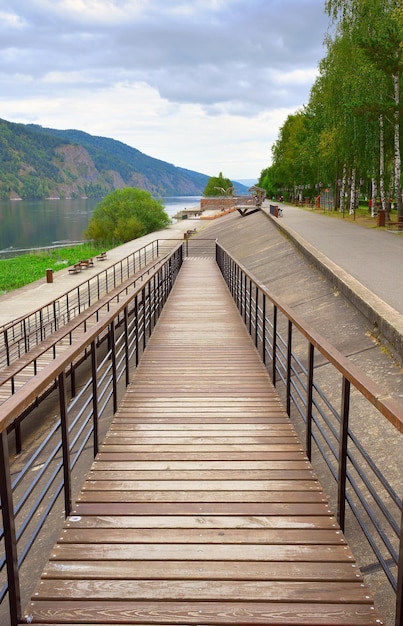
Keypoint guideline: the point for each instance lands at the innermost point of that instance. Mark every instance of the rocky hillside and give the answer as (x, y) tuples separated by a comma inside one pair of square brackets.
[(37, 162)]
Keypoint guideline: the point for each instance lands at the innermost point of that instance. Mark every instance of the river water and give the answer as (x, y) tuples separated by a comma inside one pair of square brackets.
[(40, 223)]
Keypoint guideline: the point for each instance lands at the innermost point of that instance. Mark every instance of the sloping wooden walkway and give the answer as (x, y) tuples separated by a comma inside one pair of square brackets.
[(201, 507)]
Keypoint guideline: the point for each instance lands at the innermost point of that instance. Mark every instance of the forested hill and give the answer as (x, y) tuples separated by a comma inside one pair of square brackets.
[(37, 162)]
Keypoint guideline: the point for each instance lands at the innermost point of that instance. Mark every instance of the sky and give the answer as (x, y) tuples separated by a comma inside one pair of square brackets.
[(203, 84)]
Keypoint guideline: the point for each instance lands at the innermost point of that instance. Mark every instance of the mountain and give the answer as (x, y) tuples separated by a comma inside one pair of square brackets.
[(37, 162), (248, 182)]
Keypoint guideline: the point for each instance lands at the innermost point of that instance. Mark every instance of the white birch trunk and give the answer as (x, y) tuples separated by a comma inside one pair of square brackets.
[(343, 190), (373, 196), (382, 162), (397, 158), (352, 193)]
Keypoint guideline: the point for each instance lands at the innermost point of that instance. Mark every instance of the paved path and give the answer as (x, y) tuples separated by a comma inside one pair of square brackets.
[(21, 302), (373, 256)]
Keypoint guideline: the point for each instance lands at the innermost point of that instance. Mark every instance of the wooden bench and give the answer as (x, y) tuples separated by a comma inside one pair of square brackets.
[(75, 268), (101, 257), (86, 263), (394, 226), (189, 232)]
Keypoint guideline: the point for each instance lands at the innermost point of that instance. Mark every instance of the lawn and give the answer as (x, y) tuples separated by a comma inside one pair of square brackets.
[(25, 269)]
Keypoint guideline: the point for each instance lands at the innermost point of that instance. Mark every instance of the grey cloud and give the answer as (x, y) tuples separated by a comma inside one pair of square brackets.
[(211, 56)]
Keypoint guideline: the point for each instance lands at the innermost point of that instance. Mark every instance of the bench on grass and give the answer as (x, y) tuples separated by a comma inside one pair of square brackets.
[(74, 269)]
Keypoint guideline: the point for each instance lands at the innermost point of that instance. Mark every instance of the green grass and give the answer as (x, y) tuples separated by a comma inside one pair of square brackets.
[(25, 269)]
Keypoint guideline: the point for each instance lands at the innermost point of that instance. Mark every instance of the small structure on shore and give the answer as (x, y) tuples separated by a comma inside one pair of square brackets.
[(246, 205), (190, 213)]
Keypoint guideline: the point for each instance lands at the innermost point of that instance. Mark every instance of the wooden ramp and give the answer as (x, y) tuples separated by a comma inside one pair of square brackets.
[(201, 507)]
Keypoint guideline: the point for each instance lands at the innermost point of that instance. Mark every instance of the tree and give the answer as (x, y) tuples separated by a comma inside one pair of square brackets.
[(376, 25), (126, 214), (218, 186)]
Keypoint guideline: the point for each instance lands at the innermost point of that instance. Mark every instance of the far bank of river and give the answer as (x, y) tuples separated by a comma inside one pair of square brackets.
[(26, 224)]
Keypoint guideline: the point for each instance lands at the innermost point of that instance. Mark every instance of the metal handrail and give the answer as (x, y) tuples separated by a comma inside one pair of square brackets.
[(361, 486), (41, 484), (23, 334), (273, 327)]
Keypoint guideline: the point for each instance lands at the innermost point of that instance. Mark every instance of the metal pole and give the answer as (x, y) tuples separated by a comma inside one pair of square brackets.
[(343, 443), (309, 403), (95, 415), (10, 539), (65, 443), (399, 590)]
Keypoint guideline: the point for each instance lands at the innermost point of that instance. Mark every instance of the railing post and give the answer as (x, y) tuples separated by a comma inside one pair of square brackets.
[(41, 329), (94, 379), (256, 314), (309, 402), (65, 442), (10, 539), (250, 306), (136, 325), (7, 347), (343, 444), (127, 355), (264, 329), (289, 368), (143, 296), (26, 342), (113, 360), (244, 299), (274, 346), (399, 589), (54, 315)]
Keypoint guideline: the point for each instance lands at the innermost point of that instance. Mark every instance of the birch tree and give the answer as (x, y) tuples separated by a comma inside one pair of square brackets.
[(376, 27)]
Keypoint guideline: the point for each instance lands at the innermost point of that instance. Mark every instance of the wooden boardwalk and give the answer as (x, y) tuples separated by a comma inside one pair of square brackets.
[(201, 508)]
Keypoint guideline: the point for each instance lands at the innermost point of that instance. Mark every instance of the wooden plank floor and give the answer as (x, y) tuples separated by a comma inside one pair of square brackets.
[(201, 507)]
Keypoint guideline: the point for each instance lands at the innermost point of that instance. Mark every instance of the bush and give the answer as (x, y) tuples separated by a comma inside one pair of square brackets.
[(126, 214)]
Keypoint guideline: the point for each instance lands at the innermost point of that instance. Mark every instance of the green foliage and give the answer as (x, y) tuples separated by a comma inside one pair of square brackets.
[(218, 186), (339, 132), (126, 214), (25, 269)]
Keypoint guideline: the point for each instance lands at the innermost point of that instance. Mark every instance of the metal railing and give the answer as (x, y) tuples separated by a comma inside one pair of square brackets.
[(339, 422), (37, 488), (22, 335)]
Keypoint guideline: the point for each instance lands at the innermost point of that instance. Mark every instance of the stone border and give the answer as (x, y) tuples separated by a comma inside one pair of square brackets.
[(385, 320)]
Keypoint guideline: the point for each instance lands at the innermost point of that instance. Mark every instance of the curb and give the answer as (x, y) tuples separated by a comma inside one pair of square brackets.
[(385, 320)]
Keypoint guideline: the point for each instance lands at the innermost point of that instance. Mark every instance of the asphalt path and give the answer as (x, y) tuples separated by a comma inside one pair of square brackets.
[(373, 256)]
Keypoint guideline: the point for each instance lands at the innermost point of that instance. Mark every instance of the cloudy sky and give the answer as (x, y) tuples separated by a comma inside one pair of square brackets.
[(202, 84)]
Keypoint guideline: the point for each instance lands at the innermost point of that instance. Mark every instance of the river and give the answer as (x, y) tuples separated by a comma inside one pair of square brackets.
[(40, 223)]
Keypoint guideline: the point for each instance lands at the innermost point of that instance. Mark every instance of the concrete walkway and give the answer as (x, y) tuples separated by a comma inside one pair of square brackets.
[(363, 263), (372, 256), (21, 302)]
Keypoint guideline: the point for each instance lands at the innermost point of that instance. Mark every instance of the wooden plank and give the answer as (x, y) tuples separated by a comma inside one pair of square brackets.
[(201, 507), (207, 552), (247, 536), (210, 613), (293, 484), (298, 501), (200, 475), (297, 509), (203, 570), (184, 522), (188, 590)]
